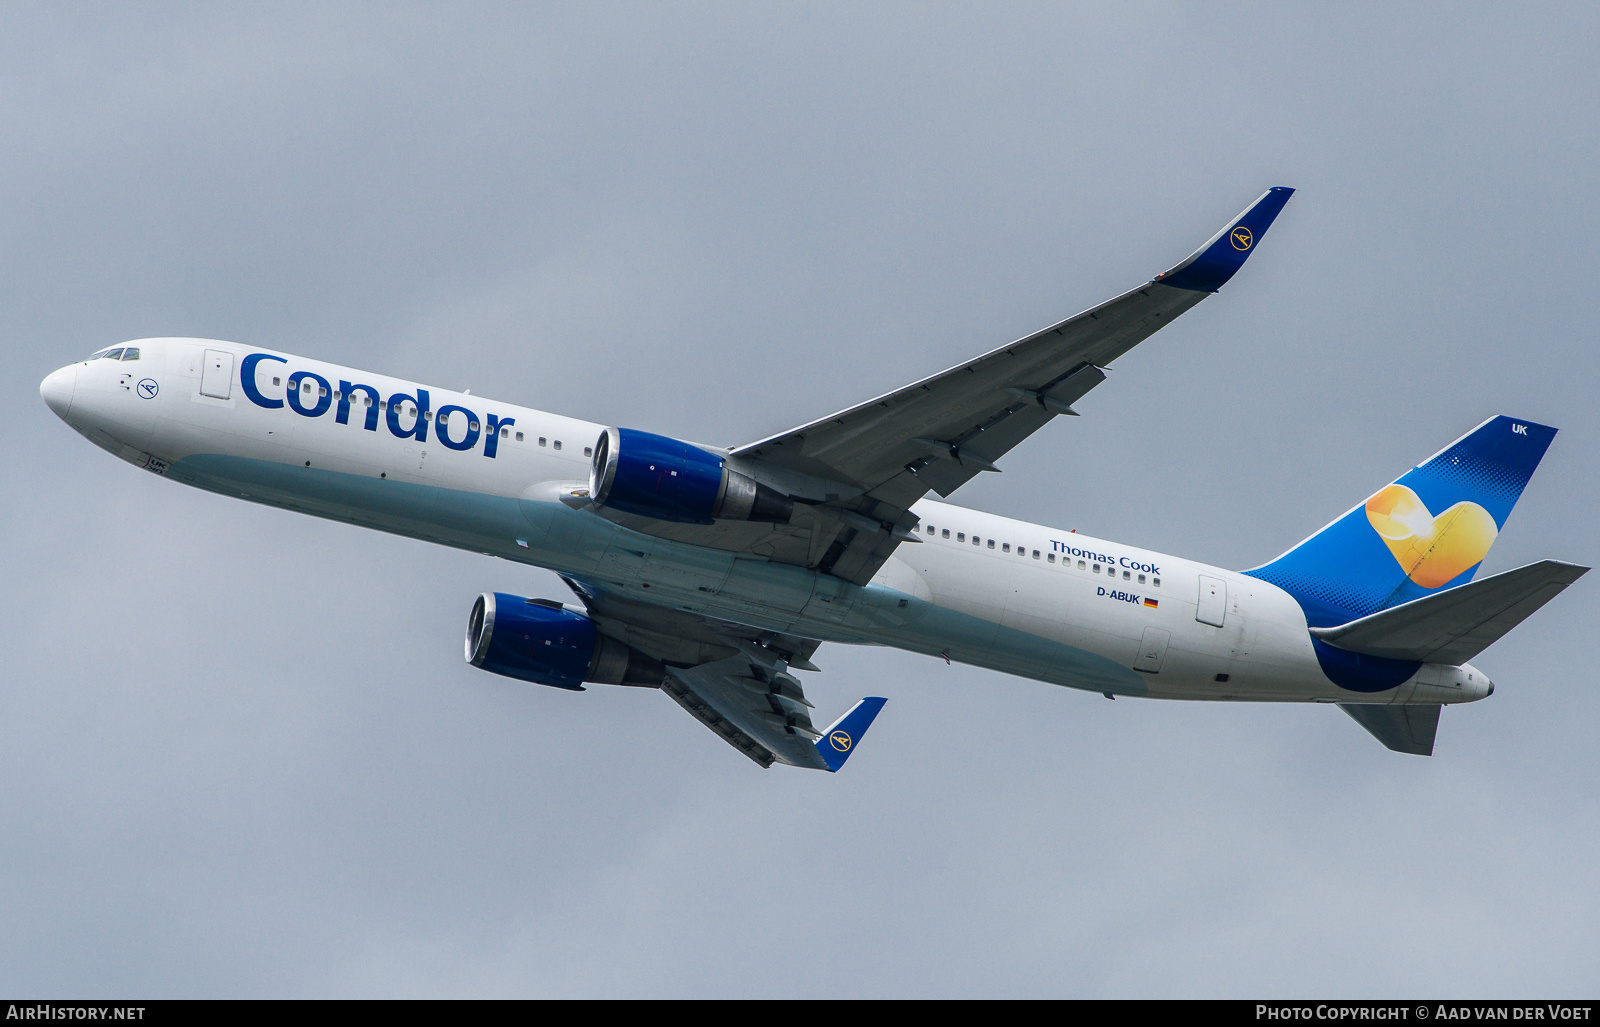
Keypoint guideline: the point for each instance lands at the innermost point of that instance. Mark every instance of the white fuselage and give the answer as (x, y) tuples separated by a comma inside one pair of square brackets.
[(979, 589)]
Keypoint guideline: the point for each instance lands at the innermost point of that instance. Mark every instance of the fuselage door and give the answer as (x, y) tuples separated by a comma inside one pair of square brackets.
[(1152, 650), (1213, 605), (216, 377)]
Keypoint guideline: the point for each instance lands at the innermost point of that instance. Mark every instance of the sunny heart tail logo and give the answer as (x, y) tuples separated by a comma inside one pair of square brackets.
[(1433, 551)]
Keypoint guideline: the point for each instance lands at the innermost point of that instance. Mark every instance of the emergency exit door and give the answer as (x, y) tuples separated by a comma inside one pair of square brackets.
[(1213, 606), (216, 375)]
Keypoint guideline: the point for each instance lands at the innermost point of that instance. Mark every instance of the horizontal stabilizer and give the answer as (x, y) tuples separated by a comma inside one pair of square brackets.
[(1457, 624), (1401, 728)]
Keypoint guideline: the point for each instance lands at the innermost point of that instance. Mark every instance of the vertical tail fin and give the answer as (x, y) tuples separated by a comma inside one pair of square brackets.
[(1424, 533)]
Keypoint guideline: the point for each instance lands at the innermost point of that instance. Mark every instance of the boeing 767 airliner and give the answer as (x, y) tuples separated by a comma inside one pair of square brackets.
[(711, 573)]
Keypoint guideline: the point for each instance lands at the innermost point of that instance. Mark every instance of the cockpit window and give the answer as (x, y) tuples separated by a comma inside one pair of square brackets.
[(97, 354), (114, 354), (131, 353)]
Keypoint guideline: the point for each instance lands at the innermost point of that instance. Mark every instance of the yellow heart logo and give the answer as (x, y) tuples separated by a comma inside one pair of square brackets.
[(1433, 551)]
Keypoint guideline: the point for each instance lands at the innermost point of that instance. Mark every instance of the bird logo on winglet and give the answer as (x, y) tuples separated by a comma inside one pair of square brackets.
[(1241, 238), (839, 740)]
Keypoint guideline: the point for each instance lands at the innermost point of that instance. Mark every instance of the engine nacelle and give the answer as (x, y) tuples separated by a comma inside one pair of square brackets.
[(654, 476), (540, 641)]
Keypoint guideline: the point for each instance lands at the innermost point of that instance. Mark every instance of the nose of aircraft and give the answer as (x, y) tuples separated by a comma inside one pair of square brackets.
[(57, 390)]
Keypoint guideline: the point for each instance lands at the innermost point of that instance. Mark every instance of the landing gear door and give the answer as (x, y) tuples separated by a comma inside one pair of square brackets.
[(216, 375), (1213, 605)]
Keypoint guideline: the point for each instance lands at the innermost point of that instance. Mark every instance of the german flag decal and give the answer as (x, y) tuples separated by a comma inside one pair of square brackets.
[(1151, 603)]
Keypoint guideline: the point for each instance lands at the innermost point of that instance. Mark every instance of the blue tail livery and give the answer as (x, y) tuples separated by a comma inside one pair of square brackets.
[(839, 741), (1424, 533)]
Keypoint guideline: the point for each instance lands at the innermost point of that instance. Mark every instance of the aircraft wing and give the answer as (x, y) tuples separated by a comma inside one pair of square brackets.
[(861, 469), (939, 432), (735, 680)]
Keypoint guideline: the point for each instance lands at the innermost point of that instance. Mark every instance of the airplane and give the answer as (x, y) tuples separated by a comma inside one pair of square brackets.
[(713, 573)]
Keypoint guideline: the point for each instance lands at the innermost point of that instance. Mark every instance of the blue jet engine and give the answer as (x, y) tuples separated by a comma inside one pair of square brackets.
[(539, 640), (661, 478)]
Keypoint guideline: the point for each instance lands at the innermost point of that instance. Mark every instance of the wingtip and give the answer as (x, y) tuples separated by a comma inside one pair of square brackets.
[(1209, 268), (841, 737)]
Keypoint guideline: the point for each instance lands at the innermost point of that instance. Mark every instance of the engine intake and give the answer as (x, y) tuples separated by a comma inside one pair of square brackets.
[(654, 476), (539, 640)]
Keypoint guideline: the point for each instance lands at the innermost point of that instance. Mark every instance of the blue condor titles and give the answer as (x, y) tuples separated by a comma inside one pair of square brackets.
[(311, 395)]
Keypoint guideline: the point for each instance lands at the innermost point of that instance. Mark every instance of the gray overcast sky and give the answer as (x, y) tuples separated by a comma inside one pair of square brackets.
[(240, 753)]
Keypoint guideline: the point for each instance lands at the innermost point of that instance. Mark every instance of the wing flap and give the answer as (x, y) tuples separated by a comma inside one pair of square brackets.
[(706, 714), (1455, 625), (724, 696)]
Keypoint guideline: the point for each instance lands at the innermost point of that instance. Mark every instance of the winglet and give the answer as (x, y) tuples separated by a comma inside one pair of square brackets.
[(1209, 268), (839, 741)]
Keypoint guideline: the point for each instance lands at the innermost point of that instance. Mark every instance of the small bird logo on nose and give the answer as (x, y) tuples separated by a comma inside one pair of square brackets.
[(148, 388)]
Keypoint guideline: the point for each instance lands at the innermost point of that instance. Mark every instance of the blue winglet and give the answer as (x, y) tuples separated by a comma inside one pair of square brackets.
[(1210, 267), (839, 741)]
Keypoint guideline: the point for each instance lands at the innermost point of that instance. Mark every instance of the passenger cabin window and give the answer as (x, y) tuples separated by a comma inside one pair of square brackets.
[(541, 440), (991, 543), (1080, 565), (1052, 558), (1005, 548), (961, 536), (1156, 582), (1036, 554), (1126, 575), (519, 436), (131, 353), (558, 443), (1096, 568), (589, 451), (930, 529), (946, 533), (1141, 579), (276, 380)]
